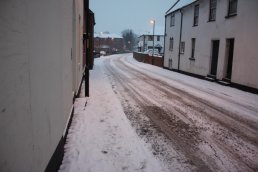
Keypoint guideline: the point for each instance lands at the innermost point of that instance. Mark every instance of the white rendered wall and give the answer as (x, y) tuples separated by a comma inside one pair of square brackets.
[(243, 28), (36, 76)]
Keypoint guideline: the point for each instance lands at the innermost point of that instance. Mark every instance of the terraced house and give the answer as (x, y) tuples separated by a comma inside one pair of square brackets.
[(216, 39)]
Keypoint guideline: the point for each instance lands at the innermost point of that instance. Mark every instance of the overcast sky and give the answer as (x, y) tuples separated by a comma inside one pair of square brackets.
[(116, 15)]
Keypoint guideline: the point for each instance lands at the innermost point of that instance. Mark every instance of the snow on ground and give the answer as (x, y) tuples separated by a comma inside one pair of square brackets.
[(219, 95), (101, 138)]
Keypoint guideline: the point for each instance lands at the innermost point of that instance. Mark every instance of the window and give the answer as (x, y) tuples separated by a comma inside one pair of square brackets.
[(193, 48), (232, 8), (172, 20), (182, 47), (213, 6), (196, 15), (158, 38), (171, 44), (150, 37)]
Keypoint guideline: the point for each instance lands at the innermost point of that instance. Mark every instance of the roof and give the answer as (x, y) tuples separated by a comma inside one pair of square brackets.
[(107, 35), (180, 4)]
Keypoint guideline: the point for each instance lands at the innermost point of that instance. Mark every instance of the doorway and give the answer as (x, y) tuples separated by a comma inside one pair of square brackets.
[(229, 57), (214, 57)]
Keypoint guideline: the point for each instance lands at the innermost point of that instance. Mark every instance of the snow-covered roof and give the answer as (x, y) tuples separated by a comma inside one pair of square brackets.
[(107, 35), (180, 4)]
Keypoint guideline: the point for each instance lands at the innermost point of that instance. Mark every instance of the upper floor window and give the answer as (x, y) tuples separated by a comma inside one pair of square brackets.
[(213, 6), (182, 47), (172, 20), (171, 44), (158, 38), (196, 15), (150, 38), (232, 7)]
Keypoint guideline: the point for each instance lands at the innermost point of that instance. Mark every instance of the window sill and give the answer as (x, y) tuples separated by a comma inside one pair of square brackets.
[(211, 20), (192, 58), (195, 25), (230, 15)]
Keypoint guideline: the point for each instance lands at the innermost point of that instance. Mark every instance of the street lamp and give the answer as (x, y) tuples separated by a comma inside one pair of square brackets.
[(153, 24)]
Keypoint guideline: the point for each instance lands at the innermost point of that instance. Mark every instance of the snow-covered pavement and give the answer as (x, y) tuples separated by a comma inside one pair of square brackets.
[(144, 118), (101, 138)]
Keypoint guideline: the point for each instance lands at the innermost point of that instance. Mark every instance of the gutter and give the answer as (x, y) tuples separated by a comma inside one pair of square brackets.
[(180, 38), (179, 8)]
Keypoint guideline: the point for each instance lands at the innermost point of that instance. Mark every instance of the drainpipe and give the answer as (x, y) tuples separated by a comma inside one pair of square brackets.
[(164, 45), (86, 42), (181, 12), (143, 43)]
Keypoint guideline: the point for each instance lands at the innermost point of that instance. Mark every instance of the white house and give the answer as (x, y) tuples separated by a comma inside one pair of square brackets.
[(41, 68), (146, 40), (215, 38)]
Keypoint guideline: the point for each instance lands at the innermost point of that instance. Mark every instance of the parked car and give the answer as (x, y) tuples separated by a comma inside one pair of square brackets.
[(102, 53), (149, 51)]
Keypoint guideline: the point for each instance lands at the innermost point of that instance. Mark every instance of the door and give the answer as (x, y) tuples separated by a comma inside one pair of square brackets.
[(214, 57), (230, 50)]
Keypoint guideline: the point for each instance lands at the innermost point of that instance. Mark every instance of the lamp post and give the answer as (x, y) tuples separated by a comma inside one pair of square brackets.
[(153, 24)]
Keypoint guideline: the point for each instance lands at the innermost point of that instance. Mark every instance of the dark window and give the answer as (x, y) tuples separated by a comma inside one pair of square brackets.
[(196, 15), (232, 7), (158, 38), (213, 6), (172, 20), (182, 47), (193, 48), (150, 38), (171, 44)]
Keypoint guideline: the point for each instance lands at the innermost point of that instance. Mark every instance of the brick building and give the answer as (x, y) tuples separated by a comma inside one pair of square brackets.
[(110, 43)]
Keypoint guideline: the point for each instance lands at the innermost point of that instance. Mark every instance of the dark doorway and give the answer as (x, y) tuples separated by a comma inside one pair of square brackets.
[(230, 50), (214, 57)]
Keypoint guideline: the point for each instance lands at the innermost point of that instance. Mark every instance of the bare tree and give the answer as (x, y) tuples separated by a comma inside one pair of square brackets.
[(129, 38)]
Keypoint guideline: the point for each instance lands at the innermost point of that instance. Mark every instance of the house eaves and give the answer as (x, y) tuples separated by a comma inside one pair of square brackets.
[(180, 4)]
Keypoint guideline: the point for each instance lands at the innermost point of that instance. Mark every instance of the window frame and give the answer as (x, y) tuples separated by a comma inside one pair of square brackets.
[(213, 8), (171, 43), (172, 20), (182, 47), (150, 38), (193, 44), (196, 15), (231, 13)]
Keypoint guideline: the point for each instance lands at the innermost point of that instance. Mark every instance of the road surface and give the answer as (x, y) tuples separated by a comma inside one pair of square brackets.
[(190, 124)]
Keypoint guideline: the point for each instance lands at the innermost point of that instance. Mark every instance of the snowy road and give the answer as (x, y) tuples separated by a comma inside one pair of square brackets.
[(144, 118), (191, 124)]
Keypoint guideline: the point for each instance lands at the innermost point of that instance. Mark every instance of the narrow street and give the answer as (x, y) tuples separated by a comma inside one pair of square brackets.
[(211, 130), (188, 124)]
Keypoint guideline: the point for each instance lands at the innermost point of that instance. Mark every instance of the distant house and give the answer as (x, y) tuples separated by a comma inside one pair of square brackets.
[(110, 43), (214, 38), (146, 41)]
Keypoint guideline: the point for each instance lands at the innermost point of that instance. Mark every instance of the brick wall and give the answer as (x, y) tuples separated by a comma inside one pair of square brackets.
[(145, 58)]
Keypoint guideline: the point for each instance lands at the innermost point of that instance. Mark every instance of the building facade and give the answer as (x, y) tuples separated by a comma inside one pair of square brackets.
[(146, 42), (215, 38), (41, 69), (110, 43)]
